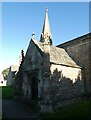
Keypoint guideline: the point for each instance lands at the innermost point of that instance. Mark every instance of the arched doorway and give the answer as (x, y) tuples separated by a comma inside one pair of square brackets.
[(34, 88)]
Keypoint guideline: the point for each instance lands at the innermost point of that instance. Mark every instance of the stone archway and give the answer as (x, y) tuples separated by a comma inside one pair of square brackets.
[(32, 80), (34, 88)]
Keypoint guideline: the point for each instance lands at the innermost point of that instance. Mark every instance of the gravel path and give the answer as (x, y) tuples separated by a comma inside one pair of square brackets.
[(16, 109)]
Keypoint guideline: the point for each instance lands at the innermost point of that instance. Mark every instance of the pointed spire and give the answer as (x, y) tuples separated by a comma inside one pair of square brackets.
[(46, 36)]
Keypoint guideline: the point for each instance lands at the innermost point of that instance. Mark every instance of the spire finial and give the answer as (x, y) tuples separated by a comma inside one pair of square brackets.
[(46, 9), (33, 35)]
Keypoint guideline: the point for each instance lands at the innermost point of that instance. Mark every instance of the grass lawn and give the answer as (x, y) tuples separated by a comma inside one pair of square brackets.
[(76, 111), (0, 115), (7, 92)]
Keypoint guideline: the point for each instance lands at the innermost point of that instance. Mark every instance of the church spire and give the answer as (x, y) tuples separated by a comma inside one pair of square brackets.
[(46, 36)]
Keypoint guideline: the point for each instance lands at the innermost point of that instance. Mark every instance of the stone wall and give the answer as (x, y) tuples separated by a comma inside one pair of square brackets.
[(65, 84), (90, 61), (79, 50)]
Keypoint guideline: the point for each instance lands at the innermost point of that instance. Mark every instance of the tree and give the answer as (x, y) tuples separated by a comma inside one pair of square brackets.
[(5, 72)]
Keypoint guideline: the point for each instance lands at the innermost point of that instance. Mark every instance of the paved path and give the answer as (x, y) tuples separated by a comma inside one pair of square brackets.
[(16, 109)]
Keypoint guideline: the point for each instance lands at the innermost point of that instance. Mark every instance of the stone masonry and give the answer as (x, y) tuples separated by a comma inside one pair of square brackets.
[(79, 50)]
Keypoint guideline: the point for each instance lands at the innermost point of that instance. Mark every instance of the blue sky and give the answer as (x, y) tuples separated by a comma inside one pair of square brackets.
[(68, 20)]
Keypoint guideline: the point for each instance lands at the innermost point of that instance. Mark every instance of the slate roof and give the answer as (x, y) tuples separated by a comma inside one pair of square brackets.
[(57, 55), (60, 56)]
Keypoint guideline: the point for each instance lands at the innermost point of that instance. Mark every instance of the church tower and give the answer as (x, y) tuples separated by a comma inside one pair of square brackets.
[(46, 36)]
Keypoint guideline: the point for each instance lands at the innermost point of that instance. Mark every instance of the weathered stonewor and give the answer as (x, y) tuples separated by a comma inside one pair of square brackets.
[(79, 50)]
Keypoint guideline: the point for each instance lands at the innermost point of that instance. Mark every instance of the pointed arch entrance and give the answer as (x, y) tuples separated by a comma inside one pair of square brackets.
[(34, 88), (32, 79)]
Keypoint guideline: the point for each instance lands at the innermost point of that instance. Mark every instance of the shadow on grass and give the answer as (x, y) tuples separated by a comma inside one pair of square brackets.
[(77, 111)]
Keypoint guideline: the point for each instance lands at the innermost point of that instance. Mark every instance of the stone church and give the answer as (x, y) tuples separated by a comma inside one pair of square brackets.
[(53, 76)]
